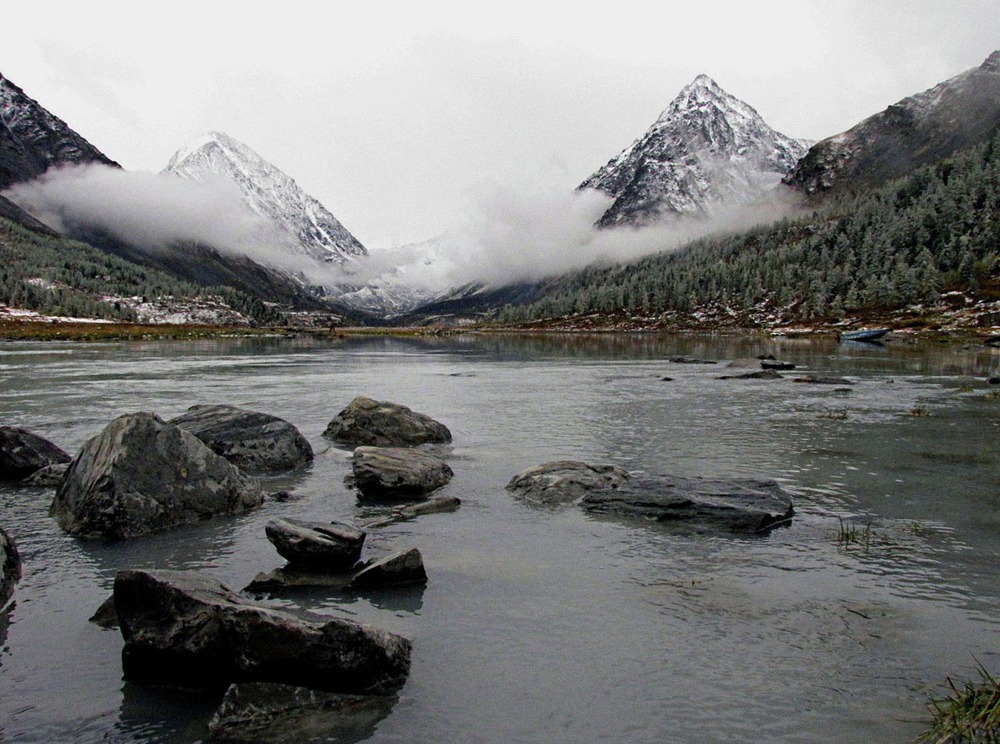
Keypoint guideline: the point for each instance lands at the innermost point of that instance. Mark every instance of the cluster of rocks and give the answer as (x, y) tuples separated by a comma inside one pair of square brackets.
[(737, 506), (386, 462), (328, 555), (285, 671), (142, 474)]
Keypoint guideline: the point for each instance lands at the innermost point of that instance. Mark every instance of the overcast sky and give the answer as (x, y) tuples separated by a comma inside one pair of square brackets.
[(395, 115)]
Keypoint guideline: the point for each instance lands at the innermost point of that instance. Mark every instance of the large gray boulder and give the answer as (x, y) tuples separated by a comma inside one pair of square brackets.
[(381, 424), (187, 629), (316, 546), (564, 481), (10, 567), (736, 505), (398, 472), (275, 713), (256, 442), (22, 453), (144, 475)]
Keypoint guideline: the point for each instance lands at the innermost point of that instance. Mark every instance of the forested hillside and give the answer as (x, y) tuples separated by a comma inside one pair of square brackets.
[(57, 276), (892, 248)]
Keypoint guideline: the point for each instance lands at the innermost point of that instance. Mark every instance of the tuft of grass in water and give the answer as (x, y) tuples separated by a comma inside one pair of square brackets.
[(970, 714), (848, 534)]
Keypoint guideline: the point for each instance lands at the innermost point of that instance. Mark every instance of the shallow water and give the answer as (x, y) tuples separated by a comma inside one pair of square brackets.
[(548, 625)]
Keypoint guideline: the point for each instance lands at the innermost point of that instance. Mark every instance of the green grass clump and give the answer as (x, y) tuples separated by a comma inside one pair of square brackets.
[(970, 714)]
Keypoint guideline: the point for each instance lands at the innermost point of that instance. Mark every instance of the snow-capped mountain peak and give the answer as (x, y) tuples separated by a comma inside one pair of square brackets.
[(269, 192), (706, 149)]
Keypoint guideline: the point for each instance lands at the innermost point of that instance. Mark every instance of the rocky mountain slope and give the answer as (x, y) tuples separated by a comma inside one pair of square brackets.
[(270, 193), (961, 112), (32, 139), (707, 149)]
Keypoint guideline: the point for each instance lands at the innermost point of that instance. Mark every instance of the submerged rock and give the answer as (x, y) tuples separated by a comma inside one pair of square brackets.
[(433, 505), (564, 481), (272, 712), (406, 567), (10, 567), (22, 453), (396, 472), (316, 545), (187, 629), (741, 505), (143, 475), (253, 441), (382, 424)]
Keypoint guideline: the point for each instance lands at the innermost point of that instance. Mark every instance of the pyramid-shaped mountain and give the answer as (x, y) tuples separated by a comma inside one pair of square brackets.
[(707, 149), (270, 193)]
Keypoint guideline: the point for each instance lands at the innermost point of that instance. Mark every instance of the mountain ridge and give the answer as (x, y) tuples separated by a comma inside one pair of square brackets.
[(32, 139), (961, 112)]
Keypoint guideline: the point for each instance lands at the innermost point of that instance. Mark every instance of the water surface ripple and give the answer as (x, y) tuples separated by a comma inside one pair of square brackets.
[(548, 625)]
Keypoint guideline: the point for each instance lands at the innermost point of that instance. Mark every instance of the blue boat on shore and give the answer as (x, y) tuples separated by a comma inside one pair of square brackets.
[(865, 334)]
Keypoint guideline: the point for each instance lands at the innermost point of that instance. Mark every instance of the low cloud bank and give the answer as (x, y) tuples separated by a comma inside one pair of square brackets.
[(508, 235), (151, 211), (513, 236)]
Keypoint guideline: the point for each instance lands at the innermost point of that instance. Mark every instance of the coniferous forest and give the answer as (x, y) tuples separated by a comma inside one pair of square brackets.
[(61, 277), (902, 245)]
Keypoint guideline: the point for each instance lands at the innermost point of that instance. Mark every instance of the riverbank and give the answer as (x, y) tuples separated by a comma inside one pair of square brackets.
[(955, 326)]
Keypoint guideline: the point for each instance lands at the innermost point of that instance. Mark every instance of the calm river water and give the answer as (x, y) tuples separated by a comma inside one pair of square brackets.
[(549, 625)]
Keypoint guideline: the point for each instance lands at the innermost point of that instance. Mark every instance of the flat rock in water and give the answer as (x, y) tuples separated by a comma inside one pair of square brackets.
[(817, 380), (433, 505), (186, 629), (776, 364), (691, 360), (290, 577), (10, 567), (738, 505), (22, 453), (406, 567), (764, 374), (367, 422), (143, 475), (253, 441), (564, 481), (746, 363), (398, 472), (47, 477), (272, 712), (316, 545)]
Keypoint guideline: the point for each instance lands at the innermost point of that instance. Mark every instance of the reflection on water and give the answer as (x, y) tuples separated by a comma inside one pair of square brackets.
[(550, 625)]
